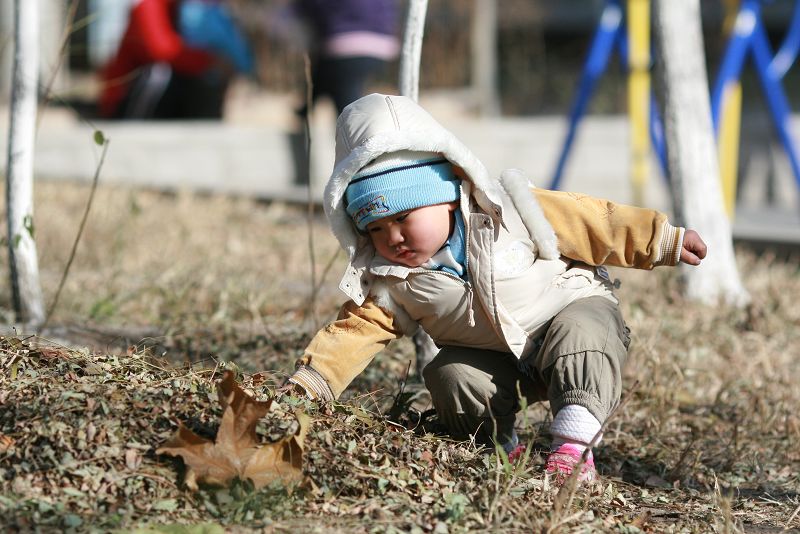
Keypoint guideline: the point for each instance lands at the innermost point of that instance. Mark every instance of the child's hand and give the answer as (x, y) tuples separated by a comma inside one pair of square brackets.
[(694, 248), (291, 389)]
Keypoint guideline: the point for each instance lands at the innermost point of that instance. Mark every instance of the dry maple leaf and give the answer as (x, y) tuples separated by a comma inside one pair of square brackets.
[(236, 451)]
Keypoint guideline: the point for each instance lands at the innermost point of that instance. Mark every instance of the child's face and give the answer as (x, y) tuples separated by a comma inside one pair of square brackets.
[(412, 237)]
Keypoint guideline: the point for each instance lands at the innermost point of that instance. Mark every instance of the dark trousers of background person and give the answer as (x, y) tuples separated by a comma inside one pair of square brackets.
[(344, 81), (160, 93)]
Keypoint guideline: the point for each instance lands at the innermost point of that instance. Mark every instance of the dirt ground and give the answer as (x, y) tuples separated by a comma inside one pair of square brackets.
[(168, 290)]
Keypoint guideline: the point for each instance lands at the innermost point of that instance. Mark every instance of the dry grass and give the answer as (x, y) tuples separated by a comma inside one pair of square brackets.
[(177, 261), (707, 441)]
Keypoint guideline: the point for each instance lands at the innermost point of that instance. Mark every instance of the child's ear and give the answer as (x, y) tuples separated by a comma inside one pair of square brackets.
[(459, 172)]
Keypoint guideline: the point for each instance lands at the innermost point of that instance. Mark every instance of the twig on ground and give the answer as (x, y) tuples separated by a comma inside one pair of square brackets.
[(791, 518), (677, 471), (312, 305), (316, 288), (95, 180), (397, 401)]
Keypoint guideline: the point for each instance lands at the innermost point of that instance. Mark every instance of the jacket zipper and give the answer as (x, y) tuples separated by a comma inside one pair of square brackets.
[(470, 309), (470, 291)]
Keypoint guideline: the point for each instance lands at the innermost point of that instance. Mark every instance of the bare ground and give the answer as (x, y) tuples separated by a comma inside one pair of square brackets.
[(166, 290)]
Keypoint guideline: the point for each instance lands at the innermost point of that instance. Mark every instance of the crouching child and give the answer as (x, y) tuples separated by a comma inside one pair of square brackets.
[(506, 278)]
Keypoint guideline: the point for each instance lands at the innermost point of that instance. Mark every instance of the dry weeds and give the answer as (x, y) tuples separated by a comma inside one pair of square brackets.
[(707, 442)]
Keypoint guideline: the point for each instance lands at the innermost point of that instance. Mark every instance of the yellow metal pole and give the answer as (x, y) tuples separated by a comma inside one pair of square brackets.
[(728, 144), (730, 125), (639, 94)]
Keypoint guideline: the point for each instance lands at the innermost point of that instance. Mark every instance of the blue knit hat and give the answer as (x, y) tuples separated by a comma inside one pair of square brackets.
[(400, 181)]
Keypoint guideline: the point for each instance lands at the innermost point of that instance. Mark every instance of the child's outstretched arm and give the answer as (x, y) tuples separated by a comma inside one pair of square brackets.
[(601, 232), (694, 248), (340, 351)]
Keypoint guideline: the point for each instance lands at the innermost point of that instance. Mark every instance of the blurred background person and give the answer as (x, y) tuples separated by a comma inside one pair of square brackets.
[(175, 61), (350, 43)]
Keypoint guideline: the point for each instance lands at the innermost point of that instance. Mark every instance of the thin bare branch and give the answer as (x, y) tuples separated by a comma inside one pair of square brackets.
[(312, 304), (64, 275)]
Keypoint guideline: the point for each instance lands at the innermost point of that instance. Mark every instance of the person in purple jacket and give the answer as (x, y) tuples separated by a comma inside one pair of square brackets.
[(351, 40)]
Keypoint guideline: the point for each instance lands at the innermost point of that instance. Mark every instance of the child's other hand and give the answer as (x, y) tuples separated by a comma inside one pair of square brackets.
[(694, 248)]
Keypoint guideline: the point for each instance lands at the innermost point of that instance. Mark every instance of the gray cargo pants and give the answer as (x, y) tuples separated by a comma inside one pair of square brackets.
[(580, 362)]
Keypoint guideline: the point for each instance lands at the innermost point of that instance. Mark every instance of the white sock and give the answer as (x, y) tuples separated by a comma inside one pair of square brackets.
[(576, 425)]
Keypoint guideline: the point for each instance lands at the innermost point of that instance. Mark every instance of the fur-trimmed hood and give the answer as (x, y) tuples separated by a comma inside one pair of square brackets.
[(377, 124)]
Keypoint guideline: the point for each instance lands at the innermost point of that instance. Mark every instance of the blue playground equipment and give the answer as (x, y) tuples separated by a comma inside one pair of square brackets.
[(610, 34), (750, 36)]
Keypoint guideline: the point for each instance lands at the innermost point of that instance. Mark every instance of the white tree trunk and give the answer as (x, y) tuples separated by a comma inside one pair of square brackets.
[(692, 154), (27, 293), (412, 48)]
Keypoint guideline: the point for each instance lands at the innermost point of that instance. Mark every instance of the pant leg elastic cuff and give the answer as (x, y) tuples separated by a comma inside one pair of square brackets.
[(582, 398)]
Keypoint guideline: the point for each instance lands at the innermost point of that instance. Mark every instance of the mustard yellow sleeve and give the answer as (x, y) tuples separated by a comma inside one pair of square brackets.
[(601, 232), (340, 351)]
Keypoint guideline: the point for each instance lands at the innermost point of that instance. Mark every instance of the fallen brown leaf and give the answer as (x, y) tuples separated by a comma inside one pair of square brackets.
[(236, 452)]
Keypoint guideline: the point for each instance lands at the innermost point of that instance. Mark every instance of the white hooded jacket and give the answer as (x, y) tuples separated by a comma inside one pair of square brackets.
[(519, 274)]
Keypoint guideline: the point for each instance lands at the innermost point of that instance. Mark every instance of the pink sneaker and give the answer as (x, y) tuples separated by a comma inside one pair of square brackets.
[(517, 453), (562, 462)]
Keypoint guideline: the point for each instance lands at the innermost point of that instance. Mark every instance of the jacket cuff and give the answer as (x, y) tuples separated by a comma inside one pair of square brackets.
[(669, 249), (315, 386)]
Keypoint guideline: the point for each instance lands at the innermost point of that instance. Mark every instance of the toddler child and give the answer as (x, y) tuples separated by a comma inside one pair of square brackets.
[(507, 279)]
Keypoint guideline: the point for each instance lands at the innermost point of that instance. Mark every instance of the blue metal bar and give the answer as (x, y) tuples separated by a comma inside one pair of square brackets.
[(791, 45), (735, 54), (776, 98), (657, 136), (596, 62)]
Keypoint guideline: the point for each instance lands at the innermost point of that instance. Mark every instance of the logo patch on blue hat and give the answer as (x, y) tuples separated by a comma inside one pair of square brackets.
[(373, 207)]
